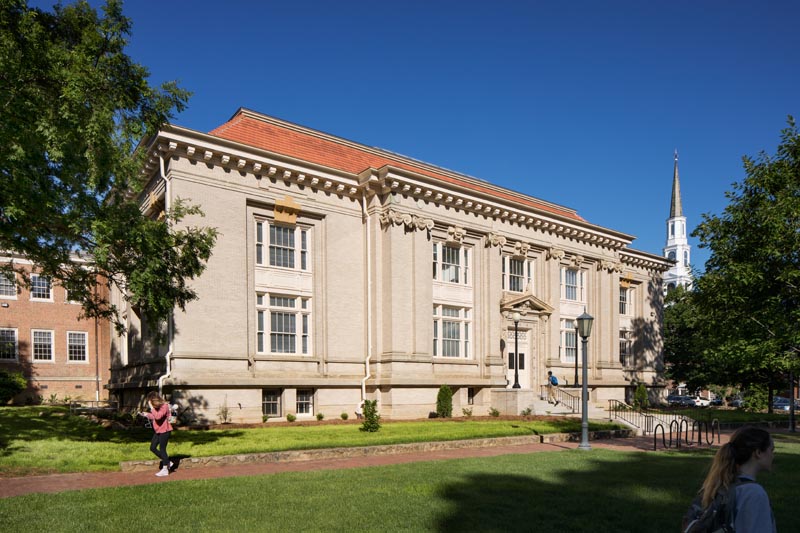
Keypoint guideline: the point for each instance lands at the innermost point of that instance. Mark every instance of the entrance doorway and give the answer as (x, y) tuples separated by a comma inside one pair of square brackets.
[(522, 358)]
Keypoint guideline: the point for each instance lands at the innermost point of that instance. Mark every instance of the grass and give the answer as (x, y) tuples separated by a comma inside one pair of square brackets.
[(600, 490), (57, 442)]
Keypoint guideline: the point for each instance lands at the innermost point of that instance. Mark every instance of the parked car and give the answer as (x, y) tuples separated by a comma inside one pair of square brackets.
[(701, 402), (780, 403), (682, 401), (736, 402), (672, 398), (716, 402)]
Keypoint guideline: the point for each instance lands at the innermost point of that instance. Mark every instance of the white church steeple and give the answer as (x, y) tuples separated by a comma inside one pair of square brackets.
[(677, 247)]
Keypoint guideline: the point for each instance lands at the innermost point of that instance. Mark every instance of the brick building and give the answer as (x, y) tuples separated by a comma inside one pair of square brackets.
[(42, 335)]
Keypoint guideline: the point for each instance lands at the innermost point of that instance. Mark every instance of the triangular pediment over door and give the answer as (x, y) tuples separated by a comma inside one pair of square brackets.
[(525, 304)]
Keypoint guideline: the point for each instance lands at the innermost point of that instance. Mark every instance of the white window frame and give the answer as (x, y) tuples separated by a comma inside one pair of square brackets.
[(269, 305), (452, 331), (34, 281), (568, 346), (15, 334), (277, 402), (51, 333), (626, 348), (456, 269), (8, 282), (272, 253), (84, 345), (579, 287), (304, 406), (512, 280), (625, 301)]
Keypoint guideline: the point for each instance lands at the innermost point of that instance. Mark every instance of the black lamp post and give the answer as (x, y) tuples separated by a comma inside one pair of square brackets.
[(584, 330), (516, 317), (575, 383)]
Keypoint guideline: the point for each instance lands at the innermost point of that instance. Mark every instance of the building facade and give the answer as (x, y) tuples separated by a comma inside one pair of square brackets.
[(345, 272), (42, 335), (677, 247)]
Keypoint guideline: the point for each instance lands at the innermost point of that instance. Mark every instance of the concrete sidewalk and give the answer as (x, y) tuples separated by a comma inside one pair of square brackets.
[(88, 480)]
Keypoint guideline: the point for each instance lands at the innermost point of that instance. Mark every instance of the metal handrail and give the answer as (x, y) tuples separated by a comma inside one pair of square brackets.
[(563, 397), (634, 417)]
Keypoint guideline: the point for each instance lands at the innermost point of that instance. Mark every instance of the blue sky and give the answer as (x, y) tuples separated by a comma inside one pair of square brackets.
[(580, 103)]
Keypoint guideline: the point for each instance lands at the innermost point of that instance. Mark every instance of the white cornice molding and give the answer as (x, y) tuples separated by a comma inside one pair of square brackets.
[(423, 188), (211, 151), (644, 260), (182, 142)]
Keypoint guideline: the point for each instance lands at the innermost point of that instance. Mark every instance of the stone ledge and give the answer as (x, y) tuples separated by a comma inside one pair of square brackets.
[(366, 451), (593, 435)]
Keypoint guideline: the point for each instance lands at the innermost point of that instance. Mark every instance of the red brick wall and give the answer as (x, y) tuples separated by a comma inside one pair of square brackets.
[(77, 380)]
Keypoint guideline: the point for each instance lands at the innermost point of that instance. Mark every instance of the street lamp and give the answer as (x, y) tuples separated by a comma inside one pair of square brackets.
[(515, 317), (575, 383), (584, 330)]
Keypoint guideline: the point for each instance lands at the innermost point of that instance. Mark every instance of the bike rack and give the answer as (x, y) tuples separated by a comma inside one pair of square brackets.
[(663, 438)]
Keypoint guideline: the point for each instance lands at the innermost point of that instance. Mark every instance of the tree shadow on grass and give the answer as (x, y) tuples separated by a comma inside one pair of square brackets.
[(45, 423), (617, 492)]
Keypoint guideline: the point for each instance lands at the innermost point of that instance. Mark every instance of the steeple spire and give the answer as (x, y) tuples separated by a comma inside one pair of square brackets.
[(675, 206)]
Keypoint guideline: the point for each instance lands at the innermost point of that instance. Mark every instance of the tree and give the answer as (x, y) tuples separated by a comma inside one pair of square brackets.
[(444, 402), (684, 340), (372, 419), (749, 295), (73, 109)]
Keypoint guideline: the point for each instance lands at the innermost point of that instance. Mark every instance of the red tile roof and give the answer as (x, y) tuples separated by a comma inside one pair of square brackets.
[(324, 150)]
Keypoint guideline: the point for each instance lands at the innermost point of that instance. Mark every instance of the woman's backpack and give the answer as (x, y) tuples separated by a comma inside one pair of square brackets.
[(718, 517)]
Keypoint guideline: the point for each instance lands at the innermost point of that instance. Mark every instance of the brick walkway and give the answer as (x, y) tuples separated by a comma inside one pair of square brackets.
[(87, 480)]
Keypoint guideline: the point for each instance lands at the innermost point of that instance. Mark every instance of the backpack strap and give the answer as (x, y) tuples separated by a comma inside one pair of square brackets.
[(731, 510)]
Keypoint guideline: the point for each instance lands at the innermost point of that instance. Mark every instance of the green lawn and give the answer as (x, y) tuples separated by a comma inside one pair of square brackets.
[(57, 442), (599, 490)]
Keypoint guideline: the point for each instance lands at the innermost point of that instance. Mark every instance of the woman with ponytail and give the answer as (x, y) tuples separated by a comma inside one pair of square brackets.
[(159, 414), (735, 466)]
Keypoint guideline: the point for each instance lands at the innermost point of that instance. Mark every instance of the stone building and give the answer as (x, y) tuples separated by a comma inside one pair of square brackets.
[(344, 271), (43, 336)]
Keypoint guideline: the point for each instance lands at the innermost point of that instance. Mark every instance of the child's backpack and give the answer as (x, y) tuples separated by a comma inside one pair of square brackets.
[(718, 517), (553, 380)]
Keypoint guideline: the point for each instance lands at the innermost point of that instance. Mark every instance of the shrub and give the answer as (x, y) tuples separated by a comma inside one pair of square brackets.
[(224, 412), (493, 412), (265, 418), (53, 399), (11, 384), (444, 402), (344, 416), (290, 417), (640, 397), (320, 416), (526, 412), (371, 417), (466, 412)]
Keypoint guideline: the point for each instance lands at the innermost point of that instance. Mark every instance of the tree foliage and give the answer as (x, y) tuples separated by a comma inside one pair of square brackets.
[(73, 108), (748, 299), (372, 419), (11, 384), (444, 402)]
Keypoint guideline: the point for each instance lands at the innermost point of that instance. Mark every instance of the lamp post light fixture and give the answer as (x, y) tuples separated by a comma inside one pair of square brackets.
[(584, 330), (515, 317)]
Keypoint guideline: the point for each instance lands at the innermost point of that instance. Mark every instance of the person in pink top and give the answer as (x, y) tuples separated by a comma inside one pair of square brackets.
[(159, 416)]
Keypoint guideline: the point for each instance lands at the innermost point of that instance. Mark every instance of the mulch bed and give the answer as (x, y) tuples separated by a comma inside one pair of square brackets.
[(339, 421)]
